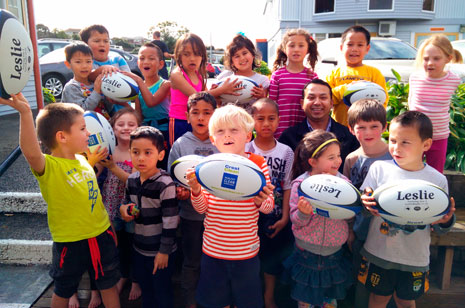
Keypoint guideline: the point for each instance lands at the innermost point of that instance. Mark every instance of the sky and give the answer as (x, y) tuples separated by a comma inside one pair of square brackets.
[(218, 19)]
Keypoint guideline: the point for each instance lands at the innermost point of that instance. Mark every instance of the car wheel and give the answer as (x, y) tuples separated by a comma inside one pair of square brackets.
[(54, 83)]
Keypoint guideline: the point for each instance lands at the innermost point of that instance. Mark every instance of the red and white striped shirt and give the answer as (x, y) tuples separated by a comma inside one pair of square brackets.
[(432, 97), (231, 226)]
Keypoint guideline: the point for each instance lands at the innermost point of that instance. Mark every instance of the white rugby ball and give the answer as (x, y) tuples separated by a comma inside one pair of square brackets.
[(331, 196), (230, 176), (363, 90), (119, 87), (245, 95), (411, 202), (179, 167), (16, 55), (101, 132)]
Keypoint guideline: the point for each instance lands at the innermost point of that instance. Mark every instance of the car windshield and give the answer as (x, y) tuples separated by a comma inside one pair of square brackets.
[(387, 49), (58, 55)]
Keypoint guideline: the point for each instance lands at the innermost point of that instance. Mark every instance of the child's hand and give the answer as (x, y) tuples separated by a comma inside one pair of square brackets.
[(230, 86), (123, 210), (369, 201), (108, 70), (263, 195), (17, 101), (98, 84), (96, 156), (160, 262), (304, 206), (108, 162), (136, 78), (166, 85), (277, 227), (182, 193), (448, 216), (258, 92), (192, 181)]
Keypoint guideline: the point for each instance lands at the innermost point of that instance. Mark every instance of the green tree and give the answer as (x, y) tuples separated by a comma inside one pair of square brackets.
[(60, 34), (170, 31), (125, 44), (42, 31)]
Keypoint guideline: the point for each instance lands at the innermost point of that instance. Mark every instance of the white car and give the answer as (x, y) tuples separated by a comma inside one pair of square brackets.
[(385, 54)]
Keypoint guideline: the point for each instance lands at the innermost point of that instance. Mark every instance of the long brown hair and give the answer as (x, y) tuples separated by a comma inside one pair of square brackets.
[(198, 48), (239, 42), (312, 52)]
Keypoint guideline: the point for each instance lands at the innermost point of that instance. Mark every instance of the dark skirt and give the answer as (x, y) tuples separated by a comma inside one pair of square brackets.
[(314, 278)]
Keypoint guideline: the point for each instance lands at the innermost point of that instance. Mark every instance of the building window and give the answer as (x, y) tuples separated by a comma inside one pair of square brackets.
[(428, 5), (374, 5), (16, 7), (324, 6)]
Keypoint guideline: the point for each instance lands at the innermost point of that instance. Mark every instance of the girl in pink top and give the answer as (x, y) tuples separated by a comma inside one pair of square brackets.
[(291, 75), (431, 92), (319, 274)]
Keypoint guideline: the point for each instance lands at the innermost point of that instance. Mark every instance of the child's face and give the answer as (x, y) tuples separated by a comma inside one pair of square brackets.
[(100, 45), (296, 48), (148, 62), (266, 120), (434, 61), (77, 138), (406, 146), (81, 65), (189, 60), (328, 162), (368, 133), (124, 126), (231, 139), (198, 116), (144, 156), (354, 48), (242, 60)]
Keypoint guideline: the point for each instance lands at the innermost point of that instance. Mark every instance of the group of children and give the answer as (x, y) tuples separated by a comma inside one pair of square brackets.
[(226, 244)]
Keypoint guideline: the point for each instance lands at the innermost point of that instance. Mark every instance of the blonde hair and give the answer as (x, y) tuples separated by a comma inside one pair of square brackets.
[(457, 57), (438, 40), (230, 116)]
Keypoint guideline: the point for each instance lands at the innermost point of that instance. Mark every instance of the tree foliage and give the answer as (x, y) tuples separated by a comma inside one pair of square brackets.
[(42, 31), (170, 31)]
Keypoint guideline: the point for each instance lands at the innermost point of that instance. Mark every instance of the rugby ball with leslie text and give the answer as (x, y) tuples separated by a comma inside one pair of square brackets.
[(411, 202), (245, 94), (179, 167), (363, 90), (331, 196), (101, 132), (16, 55), (230, 176), (119, 87)]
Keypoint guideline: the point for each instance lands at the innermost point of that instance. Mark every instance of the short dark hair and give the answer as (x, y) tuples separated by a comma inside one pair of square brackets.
[(87, 32), (201, 96), (366, 110), (264, 101), (418, 120), (320, 82), (158, 50), (156, 33), (71, 49), (356, 29), (151, 133), (54, 118)]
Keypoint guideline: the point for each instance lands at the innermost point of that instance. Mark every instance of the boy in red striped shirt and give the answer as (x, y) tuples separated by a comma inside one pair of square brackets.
[(230, 268)]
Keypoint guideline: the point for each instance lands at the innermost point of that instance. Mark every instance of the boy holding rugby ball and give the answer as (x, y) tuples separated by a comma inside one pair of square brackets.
[(230, 268), (396, 258)]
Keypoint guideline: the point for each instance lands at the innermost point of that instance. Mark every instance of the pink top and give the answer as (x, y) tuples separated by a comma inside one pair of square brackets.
[(178, 106), (286, 89), (432, 97), (231, 226)]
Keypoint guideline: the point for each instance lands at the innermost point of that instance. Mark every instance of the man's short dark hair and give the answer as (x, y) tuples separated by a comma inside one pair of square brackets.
[(151, 133), (87, 32), (320, 82), (201, 96), (71, 49), (356, 29), (156, 33), (418, 120)]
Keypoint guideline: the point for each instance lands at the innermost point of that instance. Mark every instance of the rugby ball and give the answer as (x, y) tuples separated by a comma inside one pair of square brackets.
[(230, 176), (245, 94), (119, 87), (363, 90), (101, 132), (331, 196), (179, 167), (411, 202), (16, 55)]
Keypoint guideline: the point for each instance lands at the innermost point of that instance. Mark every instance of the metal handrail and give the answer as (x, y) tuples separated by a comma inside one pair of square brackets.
[(11, 158)]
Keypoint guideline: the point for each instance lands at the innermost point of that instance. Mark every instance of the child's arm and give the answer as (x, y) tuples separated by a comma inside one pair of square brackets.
[(104, 70), (113, 167), (73, 93), (274, 88), (265, 200), (229, 86), (259, 92), (151, 100), (444, 224), (180, 83), (198, 199), (301, 211), (27, 134), (280, 224)]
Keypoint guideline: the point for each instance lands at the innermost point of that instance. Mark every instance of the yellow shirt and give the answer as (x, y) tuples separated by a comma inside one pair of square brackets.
[(75, 208), (340, 77)]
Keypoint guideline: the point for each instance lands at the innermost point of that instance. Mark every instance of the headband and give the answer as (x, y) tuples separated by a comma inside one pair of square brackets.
[(322, 145)]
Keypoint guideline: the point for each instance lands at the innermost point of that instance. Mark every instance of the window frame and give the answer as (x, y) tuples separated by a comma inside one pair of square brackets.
[(324, 13), (380, 10)]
